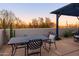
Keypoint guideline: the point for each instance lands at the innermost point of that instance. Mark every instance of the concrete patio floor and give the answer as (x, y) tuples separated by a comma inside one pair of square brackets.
[(65, 47)]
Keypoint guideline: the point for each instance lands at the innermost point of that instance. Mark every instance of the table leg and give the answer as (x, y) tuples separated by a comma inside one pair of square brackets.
[(13, 50)]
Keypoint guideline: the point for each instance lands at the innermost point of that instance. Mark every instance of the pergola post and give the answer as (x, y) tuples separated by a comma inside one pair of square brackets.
[(57, 26), (77, 26)]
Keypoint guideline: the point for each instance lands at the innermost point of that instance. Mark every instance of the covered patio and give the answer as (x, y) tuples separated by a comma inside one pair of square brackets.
[(69, 10)]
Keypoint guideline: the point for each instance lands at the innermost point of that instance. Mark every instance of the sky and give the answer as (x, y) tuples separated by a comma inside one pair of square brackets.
[(28, 11)]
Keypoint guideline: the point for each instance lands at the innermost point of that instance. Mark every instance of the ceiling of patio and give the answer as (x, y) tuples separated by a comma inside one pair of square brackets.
[(70, 10)]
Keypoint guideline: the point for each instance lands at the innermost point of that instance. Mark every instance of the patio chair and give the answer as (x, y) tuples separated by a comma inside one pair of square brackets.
[(34, 45), (76, 36), (51, 40)]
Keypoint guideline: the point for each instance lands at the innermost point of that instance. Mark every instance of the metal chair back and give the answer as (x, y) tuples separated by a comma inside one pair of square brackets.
[(34, 44)]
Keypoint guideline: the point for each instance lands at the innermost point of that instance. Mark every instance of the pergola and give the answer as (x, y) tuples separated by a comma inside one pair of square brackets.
[(70, 10)]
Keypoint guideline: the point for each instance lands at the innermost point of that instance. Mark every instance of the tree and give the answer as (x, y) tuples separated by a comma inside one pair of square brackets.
[(35, 23), (48, 23), (3, 18), (11, 18), (41, 22), (30, 25), (7, 18)]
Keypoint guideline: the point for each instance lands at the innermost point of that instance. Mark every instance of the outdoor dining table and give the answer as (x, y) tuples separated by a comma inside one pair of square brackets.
[(17, 41)]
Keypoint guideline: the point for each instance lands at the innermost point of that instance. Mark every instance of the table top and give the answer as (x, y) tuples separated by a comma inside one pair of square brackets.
[(16, 40)]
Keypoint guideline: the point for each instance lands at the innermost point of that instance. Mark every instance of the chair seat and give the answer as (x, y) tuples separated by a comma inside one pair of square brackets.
[(49, 41)]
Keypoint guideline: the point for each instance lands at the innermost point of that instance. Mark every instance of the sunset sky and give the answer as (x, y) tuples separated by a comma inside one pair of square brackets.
[(28, 11)]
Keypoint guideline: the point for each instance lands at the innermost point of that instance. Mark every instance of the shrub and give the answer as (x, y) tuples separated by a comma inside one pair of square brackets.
[(67, 33)]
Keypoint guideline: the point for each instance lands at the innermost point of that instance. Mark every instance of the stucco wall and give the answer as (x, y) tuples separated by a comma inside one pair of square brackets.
[(25, 32), (0, 37), (33, 31)]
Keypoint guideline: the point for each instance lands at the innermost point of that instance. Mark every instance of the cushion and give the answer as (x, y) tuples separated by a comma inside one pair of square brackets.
[(52, 37), (77, 36)]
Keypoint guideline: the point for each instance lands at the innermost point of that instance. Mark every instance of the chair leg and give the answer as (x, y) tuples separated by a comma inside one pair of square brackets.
[(25, 51), (55, 45), (49, 46), (40, 51), (45, 44)]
